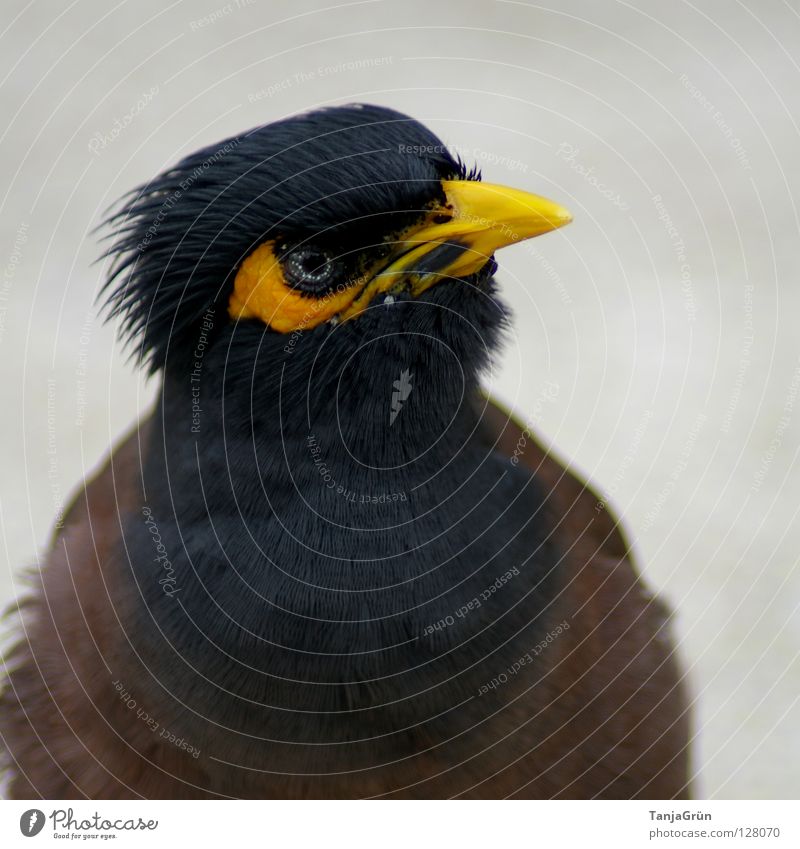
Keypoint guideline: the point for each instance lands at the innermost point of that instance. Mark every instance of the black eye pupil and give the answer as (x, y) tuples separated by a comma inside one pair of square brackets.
[(308, 263)]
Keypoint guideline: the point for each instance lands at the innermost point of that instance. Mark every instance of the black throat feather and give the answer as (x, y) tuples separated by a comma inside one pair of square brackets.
[(317, 541)]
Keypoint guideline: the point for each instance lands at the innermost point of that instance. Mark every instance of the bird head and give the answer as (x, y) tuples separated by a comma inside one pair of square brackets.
[(304, 227)]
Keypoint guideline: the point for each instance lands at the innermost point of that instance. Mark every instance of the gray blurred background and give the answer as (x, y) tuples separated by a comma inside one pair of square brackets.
[(665, 316)]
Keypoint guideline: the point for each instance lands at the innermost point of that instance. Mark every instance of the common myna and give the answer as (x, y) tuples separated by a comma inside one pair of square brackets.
[(327, 565)]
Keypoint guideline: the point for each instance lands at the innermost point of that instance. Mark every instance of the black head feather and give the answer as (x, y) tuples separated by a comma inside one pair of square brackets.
[(179, 239)]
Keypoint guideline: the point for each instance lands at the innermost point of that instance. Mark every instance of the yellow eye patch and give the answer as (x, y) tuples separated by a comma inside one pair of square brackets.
[(260, 291), (459, 236)]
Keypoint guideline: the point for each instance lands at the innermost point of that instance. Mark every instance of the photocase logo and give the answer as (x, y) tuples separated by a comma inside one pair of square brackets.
[(402, 389), (31, 822)]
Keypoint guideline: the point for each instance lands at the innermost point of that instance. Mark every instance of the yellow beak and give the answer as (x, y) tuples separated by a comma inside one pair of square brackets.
[(479, 219)]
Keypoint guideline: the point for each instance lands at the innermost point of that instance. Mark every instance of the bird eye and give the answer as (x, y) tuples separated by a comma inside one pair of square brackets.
[(309, 269)]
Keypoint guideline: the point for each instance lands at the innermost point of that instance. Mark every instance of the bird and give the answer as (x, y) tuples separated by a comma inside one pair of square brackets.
[(327, 564)]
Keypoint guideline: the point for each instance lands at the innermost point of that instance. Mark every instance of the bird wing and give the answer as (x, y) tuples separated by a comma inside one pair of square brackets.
[(584, 513), (61, 717), (619, 704)]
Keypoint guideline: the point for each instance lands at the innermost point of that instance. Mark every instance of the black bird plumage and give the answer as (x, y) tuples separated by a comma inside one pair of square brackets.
[(178, 240), (331, 592)]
